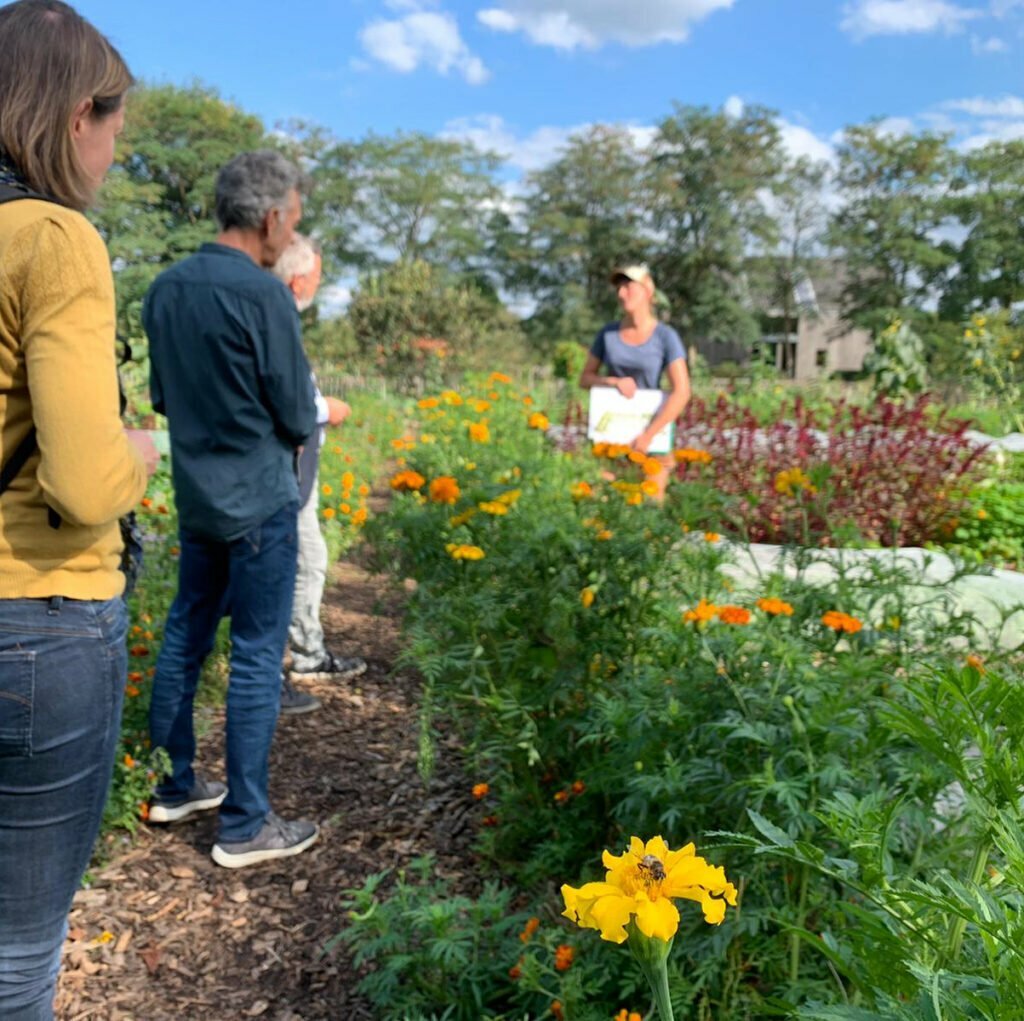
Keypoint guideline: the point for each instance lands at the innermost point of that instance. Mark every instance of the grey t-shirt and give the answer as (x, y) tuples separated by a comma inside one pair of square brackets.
[(643, 362)]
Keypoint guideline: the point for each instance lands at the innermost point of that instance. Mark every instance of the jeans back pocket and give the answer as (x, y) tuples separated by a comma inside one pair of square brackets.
[(17, 690)]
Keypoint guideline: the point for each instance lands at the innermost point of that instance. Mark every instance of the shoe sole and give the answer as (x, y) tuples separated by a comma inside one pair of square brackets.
[(328, 675), (245, 858), (298, 710), (175, 813)]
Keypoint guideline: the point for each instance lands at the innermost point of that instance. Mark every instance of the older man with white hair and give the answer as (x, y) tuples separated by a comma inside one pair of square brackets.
[(299, 269)]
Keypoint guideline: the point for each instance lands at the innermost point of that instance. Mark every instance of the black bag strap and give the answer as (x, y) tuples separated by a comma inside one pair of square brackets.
[(27, 447)]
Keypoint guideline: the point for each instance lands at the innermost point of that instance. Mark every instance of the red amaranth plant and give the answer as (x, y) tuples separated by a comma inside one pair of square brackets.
[(882, 471)]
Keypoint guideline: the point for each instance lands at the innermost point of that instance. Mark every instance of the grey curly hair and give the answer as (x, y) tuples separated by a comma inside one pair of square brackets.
[(251, 185)]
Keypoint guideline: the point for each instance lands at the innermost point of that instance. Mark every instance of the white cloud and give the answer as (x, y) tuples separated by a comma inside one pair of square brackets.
[(422, 39), (863, 18), (588, 24), (799, 141), (979, 106), (733, 107), (993, 44)]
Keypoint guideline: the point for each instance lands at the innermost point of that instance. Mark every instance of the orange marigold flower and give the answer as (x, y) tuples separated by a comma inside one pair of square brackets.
[(839, 621), (514, 972), (499, 377), (479, 433), (733, 615), (139, 650), (636, 457), (136, 630), (407, 481), (336, 449), (975, 662), (691, 456), (329, 513), (129, 762), (528, 400), (489, 820), (451, 398), (428, 402), (600, 449), (651, 466), (701, 613), (532, 925), (135, 676), (561, 797), (775, 607), (131, 691), (556, 1009), (712, 536), (479, 405), (359, 517), (481, 790), (363, 490), (538, 420), (604, 535), (147, 502), (162, 509), (563, 957), (345, 508), (174, 551), (624, 1015), (143, 810), (581, 490), (649, 487), (444, 489), (326, 489), (587, 597), (578, 786)]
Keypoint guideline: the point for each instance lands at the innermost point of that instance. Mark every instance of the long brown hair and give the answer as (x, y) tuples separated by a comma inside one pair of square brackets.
[(52, 60)]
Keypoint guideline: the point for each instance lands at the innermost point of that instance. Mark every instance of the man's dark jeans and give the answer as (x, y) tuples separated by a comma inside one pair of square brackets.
[(252, 579), (62, 678)]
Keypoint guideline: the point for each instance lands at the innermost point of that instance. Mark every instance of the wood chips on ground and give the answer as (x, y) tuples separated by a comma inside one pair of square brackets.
[(163, 933)]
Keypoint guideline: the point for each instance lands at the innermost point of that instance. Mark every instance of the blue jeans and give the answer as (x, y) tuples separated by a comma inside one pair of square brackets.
[(62, 675), (252, 580)]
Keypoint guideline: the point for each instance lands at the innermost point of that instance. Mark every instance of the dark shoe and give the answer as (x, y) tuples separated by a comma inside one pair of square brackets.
[(332, 668), (205, 794), (295, 702), (279, 838)]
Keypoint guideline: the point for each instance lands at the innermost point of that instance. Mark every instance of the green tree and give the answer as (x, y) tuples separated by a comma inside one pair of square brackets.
[(989, 204), (157, 204), (895, 190), (707, 177), (405, 197), (583, 214)]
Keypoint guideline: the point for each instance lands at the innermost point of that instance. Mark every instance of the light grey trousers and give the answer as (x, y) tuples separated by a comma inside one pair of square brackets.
[(305, 634)]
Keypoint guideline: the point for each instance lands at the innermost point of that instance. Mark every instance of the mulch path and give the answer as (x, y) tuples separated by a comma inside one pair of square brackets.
[(163, 933)]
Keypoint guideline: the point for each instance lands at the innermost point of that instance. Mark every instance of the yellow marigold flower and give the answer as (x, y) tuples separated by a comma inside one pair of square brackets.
[(348, 480), (636, 457), (444, 489), (451, 398), (326, 489), (470, 466), (642, 884), (692, 456), (701, 613), (616, 450), (510, 497), (464, 552), (733, 615), (499, 377), (428, 403), (336, 449), (649, 487), (775, 607), (587, 597), (538, 420), (359, 517), (328, 513), (789, 480), (407, 480), (581, 490), (105, 937), (651, 466), (982, 513), (495, 507), (481, 790), (712, 537), (479, 405), (635, 499), (461, 519), (840, 621), (479, 433), (604, 535)]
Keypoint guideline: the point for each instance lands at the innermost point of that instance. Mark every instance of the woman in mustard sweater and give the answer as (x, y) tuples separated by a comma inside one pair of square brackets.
[(74, 471)]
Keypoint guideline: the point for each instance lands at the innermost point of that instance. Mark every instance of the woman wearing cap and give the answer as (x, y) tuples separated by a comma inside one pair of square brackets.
[(636, 352), (73, 472)]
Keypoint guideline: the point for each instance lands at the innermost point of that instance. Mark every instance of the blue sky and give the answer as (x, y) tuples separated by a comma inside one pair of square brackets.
[(519, 75)]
